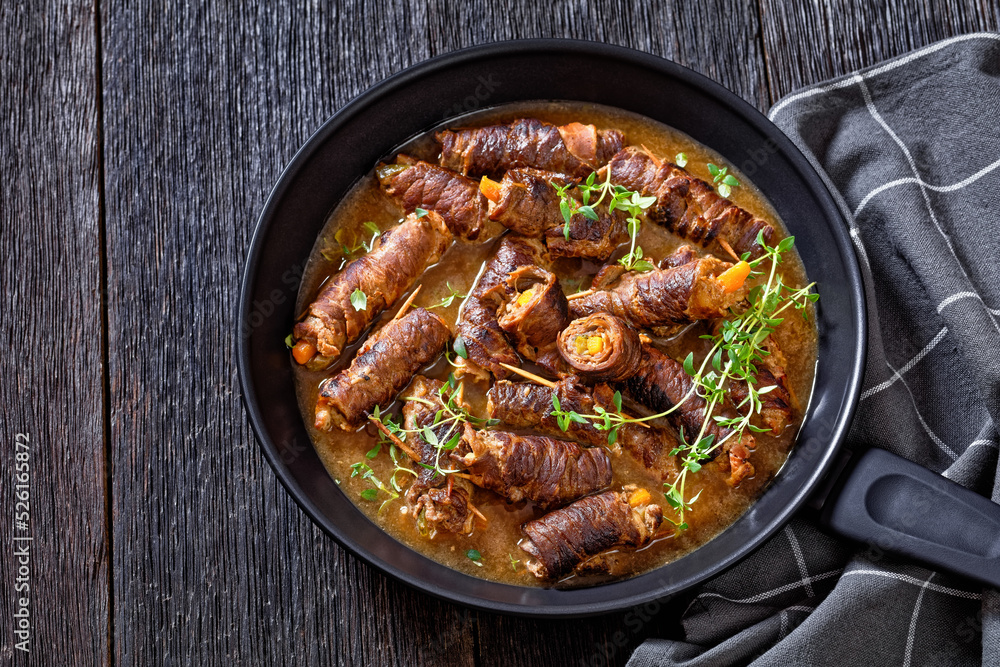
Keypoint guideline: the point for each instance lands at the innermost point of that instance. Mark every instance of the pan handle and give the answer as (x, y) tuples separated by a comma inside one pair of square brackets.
[(901, 507)]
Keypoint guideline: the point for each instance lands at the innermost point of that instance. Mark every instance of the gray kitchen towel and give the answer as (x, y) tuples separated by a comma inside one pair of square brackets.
[(912, 146)]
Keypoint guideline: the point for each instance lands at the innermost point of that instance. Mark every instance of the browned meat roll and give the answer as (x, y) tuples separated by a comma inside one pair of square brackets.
[(485, 342), (687, 206), (528, 204), (563, 539), (383, 366), (662, 298), (548, 471), (447, 509), (401, 255), (417, 184), (601, 347), (535, 309), (662, 383), (574, 149), (590, 239), (527, 405)]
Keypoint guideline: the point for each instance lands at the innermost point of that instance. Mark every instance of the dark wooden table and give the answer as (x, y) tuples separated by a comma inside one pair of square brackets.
[(139, 142)]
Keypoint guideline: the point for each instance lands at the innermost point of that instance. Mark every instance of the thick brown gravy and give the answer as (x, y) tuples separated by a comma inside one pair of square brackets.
[(497, 541)]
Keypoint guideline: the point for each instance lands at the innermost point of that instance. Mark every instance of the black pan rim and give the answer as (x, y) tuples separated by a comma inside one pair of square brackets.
[(719, 94)]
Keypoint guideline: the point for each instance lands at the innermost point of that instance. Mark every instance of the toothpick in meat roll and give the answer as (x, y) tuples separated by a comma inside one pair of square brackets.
[(688, 206), (485, 342), (534, 311)]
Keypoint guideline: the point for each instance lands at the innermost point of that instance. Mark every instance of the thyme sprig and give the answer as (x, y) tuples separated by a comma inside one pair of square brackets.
[(363, 469), (620, 198), (383, 440), (450, 299), (451, 413), (735, 351)]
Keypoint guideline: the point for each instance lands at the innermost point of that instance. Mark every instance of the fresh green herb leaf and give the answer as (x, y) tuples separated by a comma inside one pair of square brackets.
[(681, 160), (565, 210), (420, 212), (429, 436), (459, 346), (372, 228), (369, 494), (453, 442), (689, 363), (289, 341), (359, 299)]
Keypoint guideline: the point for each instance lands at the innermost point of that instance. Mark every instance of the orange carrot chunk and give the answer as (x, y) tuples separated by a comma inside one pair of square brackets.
[(490, 189), (639, 497), (303, 351), (733, 278)]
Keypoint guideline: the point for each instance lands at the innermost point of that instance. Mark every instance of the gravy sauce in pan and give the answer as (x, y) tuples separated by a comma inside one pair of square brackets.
[(497, 541)]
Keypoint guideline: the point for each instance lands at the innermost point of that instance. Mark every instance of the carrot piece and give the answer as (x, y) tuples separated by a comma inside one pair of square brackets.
[(733, 278), (490, 189), (639, 497), (303, 351)]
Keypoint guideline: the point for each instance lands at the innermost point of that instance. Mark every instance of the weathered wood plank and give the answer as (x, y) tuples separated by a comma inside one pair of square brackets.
[(806, 43), (203, 108), (213, 562), (718, 39), (50, 297)]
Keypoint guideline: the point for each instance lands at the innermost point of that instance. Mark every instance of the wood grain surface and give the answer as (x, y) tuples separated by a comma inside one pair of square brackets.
[(51, 380), (138, 149)]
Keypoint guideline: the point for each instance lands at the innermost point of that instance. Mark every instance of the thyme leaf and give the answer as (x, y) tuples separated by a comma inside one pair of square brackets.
[(448, 300), (359, 299)]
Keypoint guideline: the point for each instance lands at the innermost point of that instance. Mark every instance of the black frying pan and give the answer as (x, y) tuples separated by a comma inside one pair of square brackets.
[(898, 505)]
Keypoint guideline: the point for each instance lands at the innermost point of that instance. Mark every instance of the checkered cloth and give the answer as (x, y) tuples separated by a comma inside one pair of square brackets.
[(913, 148)]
